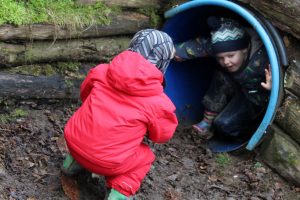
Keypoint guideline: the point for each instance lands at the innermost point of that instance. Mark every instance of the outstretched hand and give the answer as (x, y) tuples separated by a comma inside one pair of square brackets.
[(268, 84), (178, 59)]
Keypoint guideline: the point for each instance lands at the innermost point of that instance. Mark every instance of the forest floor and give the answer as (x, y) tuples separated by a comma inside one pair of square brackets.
[(31, 154)]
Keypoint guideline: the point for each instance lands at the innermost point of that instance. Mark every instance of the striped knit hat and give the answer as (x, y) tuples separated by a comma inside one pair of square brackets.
[(156, 46), (227, 35)]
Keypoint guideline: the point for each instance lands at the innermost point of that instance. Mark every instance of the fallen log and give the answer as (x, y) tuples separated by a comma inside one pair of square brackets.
[(292, 75), (292, 79), (90, 50), (121, 24), (125, 3), (59, 80), (282, 154), (284, 14), (287, 117), (38, 87)]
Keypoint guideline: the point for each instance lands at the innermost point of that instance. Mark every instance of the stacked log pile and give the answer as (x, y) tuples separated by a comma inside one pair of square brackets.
[(281, 151), (40, 48)]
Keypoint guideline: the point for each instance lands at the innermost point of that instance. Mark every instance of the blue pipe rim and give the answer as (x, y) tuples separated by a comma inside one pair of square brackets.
[(272, 105)]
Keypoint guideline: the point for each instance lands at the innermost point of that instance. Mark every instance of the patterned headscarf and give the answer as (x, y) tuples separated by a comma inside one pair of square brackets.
[(155, 46)]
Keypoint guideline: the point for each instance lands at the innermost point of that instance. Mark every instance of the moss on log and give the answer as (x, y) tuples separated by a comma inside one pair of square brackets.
[(281, 153), (126, 3), (121, 24), (90, 50)]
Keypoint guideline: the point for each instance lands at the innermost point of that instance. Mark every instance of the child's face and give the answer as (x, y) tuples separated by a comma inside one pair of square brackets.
[(233, 60)]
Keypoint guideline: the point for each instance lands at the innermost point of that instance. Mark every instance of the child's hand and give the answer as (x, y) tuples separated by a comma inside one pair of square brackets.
[(178, 59), (268, 84)]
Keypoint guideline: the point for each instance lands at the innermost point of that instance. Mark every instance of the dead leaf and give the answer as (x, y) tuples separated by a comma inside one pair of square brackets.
[(172, 195), (213, 178), (62, 146), (70, 187)]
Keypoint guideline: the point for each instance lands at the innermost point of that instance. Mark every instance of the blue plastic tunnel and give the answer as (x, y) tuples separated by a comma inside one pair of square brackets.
[(188, 81)]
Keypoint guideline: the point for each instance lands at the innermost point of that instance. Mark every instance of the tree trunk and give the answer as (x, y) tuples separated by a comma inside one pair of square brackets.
[(284, 14), (125, 23), (93, 50), (288, 117), (126, 3), (38, 87)]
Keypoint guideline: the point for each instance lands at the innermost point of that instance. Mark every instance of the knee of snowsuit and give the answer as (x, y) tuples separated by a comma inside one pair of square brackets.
[(238, 118), (221, 89), (127, 176)]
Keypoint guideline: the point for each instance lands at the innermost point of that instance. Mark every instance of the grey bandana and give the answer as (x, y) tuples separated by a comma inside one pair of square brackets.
[(156, 46)]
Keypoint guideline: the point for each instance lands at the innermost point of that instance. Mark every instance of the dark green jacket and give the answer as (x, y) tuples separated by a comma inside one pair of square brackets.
[(251, 74)]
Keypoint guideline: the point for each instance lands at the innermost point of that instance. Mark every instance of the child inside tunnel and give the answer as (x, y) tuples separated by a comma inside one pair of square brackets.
[(235, 102)]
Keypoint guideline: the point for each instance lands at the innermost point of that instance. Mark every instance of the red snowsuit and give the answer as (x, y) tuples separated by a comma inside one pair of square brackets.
[(122, 102)]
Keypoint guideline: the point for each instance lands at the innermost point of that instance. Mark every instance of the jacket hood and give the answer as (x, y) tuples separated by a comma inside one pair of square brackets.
[(129, 72), (256, 42)]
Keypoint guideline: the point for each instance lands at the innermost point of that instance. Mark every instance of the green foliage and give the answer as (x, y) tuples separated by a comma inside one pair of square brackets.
[(60, 12), (223, 159), (34, 70), (69, 83), (13, 115), (64, 67), (155, 19), (258, 165), (292, 159), (18, 112), (70, 70), (12, 12)]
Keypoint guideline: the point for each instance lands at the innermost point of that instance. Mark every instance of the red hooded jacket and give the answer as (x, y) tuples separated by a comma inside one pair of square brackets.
[(122, 102)]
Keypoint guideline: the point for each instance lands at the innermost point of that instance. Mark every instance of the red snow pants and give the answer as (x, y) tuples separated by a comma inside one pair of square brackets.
[(128, 175)]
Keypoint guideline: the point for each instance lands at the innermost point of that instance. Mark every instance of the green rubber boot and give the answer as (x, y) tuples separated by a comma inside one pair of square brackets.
[(70, 166), (115, 195)]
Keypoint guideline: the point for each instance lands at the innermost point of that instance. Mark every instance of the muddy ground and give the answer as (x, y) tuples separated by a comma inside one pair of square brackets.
[(31, 156)]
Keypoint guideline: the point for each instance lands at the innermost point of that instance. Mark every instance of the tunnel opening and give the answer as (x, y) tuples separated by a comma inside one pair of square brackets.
[(188, 81)]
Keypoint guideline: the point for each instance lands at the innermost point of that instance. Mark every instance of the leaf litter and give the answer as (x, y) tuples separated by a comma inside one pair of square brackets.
[(32, 150)]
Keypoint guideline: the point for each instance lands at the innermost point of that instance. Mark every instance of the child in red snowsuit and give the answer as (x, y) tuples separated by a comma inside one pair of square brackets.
[(123, 102)]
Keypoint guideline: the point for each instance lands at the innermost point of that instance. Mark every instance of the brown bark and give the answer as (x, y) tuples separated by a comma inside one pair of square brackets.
[(124, 23), (292, 75), (282, 154), (126, 3), (94, 50), (38, 87), (288, 117), (284, 14), (292, 79)]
